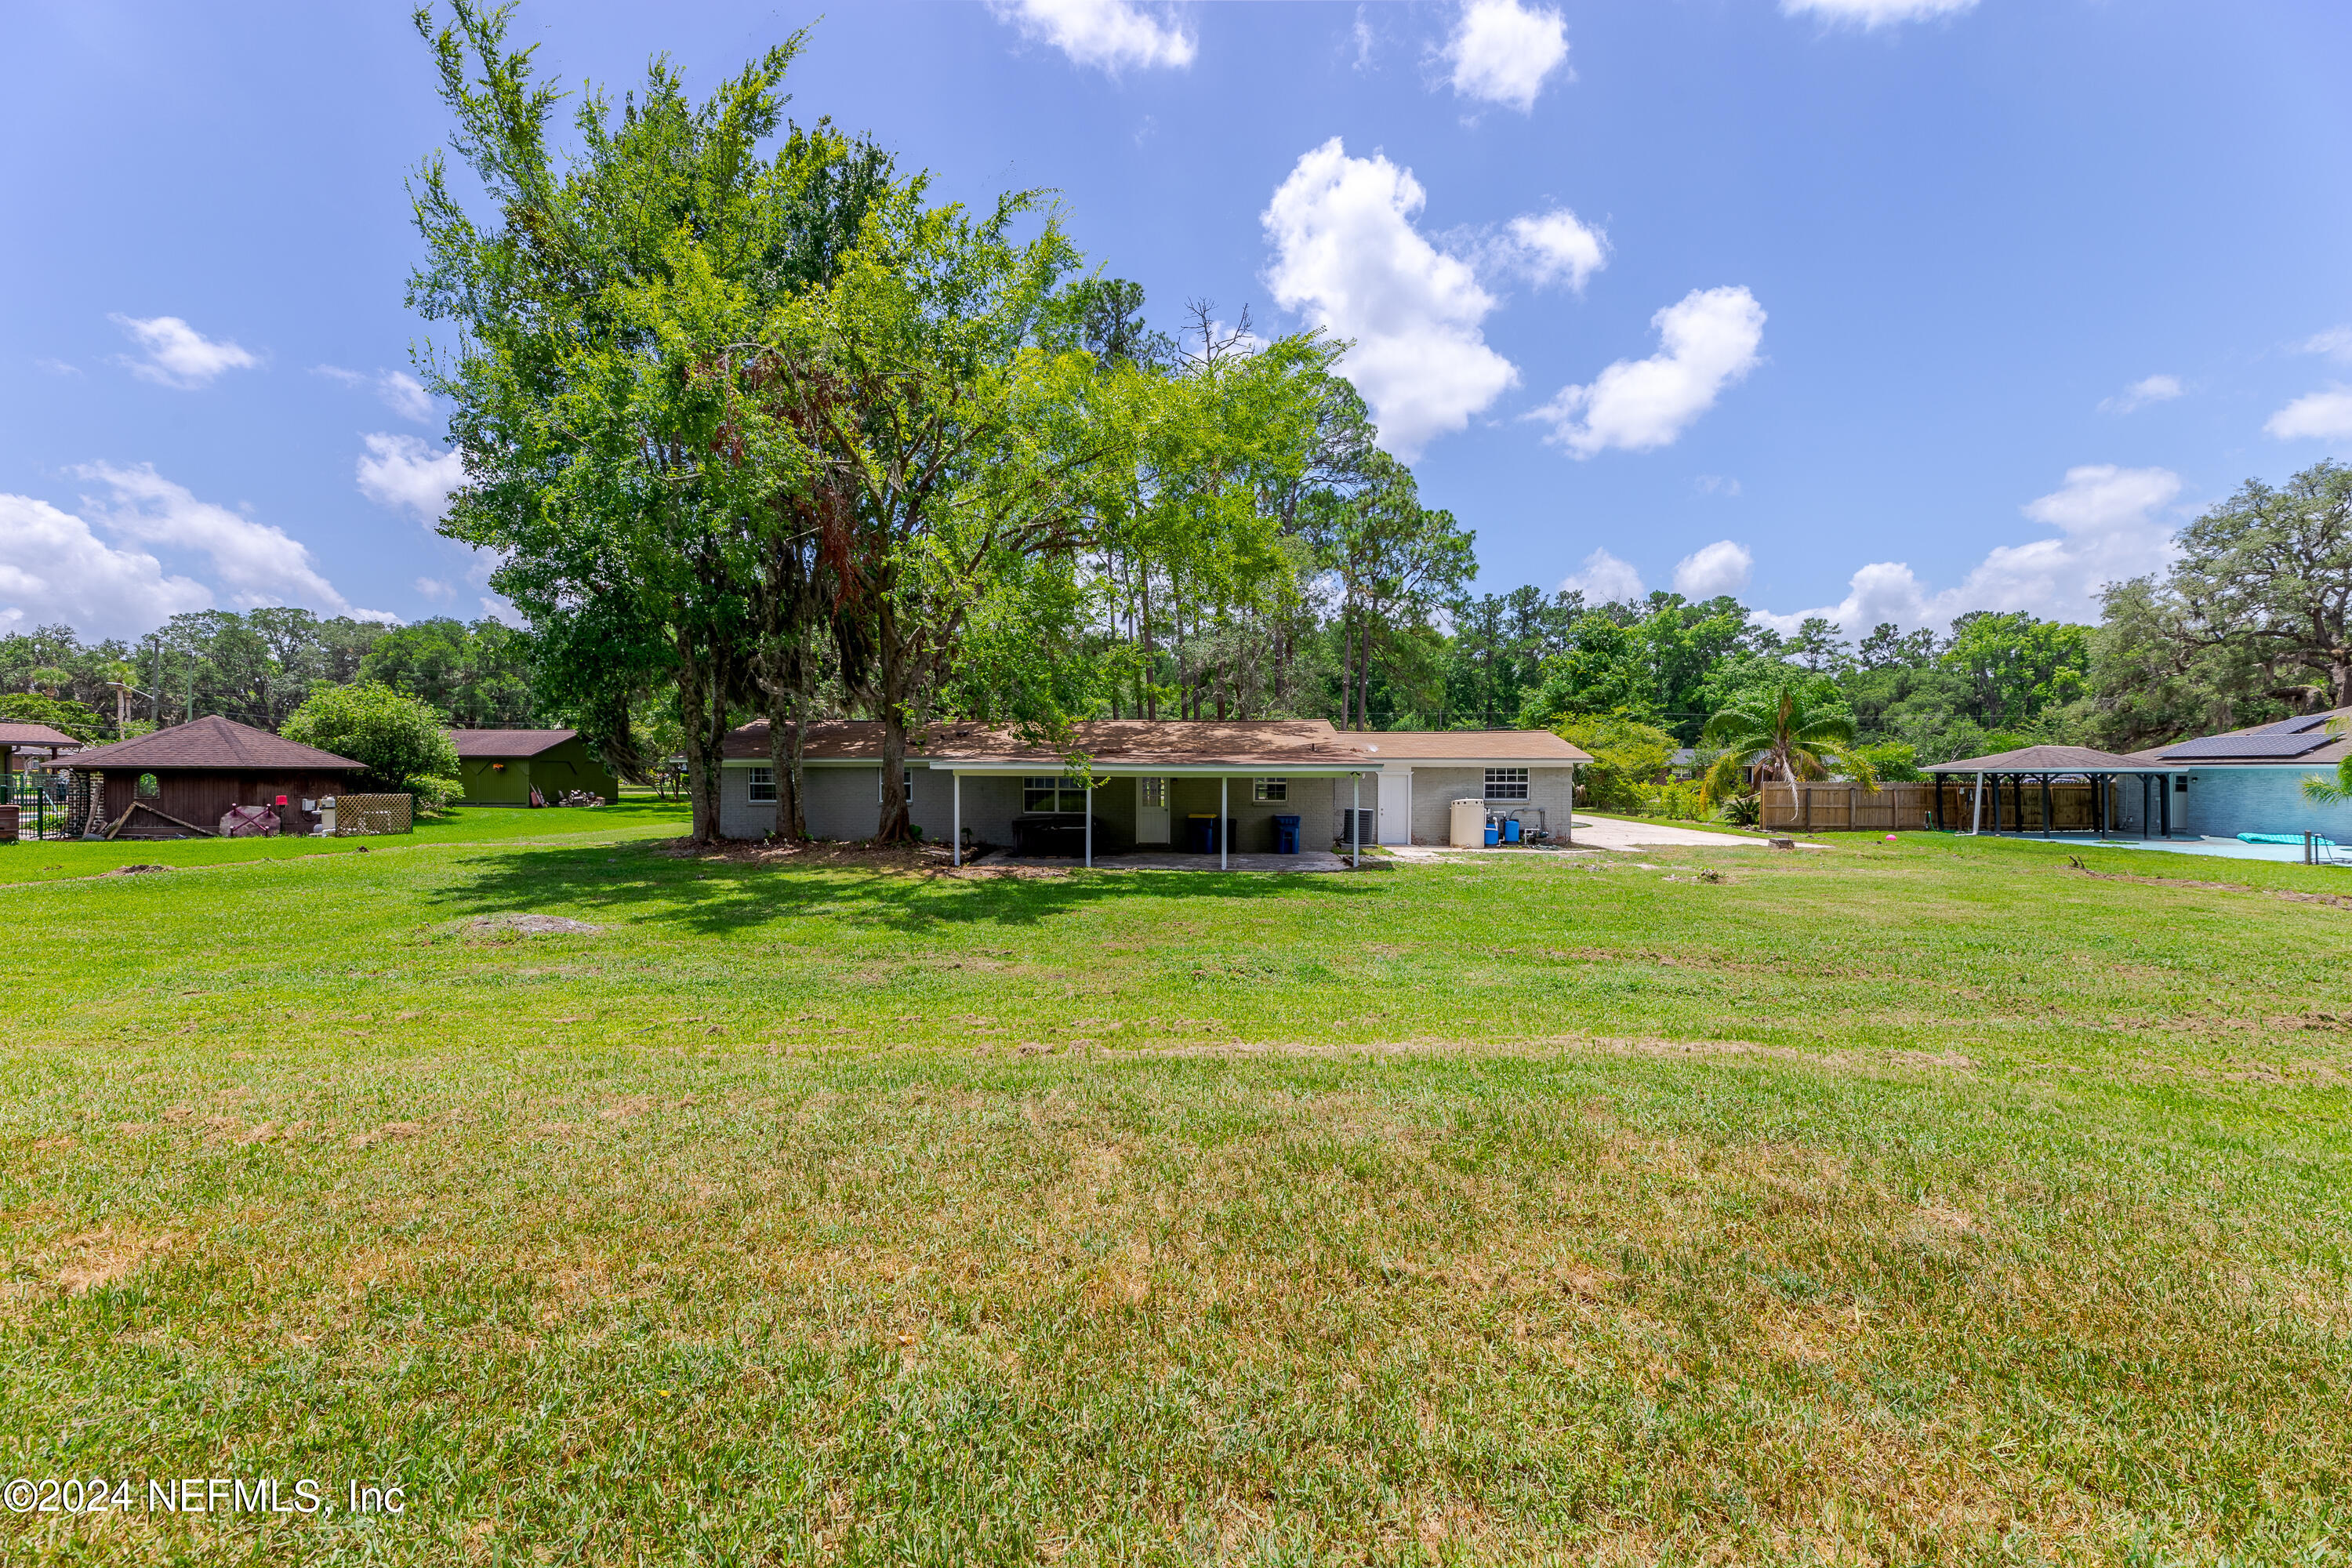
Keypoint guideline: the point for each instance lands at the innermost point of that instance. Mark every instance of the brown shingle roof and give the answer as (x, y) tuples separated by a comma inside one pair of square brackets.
[(213, 741), (34, 735), (509, 743), (1175, 742), (1471, 745), (2043, 760)]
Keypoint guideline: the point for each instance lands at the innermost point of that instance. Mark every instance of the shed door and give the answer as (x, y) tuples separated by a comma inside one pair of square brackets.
[(1151, 825), (1396, 807)]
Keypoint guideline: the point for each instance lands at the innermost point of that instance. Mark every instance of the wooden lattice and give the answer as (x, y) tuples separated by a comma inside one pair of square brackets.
[(369, 816)]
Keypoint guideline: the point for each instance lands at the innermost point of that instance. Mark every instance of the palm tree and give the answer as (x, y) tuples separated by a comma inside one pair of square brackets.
[(1779, 732), (2319, 790)]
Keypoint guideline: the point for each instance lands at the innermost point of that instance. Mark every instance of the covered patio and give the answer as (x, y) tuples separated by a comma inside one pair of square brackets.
[(2053, 791), (1155, 825)]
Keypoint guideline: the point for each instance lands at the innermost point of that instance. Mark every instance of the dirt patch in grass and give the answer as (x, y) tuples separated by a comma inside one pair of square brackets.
[(2292, 895)]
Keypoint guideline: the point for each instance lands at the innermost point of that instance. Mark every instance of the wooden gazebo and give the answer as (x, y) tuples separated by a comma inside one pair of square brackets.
[(1994, 790), (179, 783)]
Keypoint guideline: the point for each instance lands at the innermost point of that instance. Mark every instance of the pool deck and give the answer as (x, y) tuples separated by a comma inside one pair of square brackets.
[(2218, 849)]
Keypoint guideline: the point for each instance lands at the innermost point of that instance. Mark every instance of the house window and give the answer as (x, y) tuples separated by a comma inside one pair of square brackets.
[(1053, 795), (149, 786), (1269, 789), (763, 786), (910, 786), (1155, 793), (1507, 784)]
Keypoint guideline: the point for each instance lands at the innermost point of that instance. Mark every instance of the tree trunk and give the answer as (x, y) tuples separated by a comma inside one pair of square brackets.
[(785, 743), (894, 826), (702, 706)]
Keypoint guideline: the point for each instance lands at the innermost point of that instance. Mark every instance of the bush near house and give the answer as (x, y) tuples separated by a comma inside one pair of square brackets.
[(400, 739), (1628, 757)]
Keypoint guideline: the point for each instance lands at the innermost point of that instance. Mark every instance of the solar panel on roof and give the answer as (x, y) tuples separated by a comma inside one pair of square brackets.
[(2245, 746), (2297, 726)]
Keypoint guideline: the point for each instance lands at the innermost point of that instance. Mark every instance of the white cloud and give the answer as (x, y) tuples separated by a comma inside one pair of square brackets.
[(434, 588), (401, 393), (1501, 51), (2110, 530), (2315, 416), (1110, 34), (1348, 256), (2141, 393), (58, 367), (2335, 342), (1707, 340), (1553, 247), (1872, 13), (179, 355), (53, 568), (255, 562), (1604, 580), (1717, 485), (1718, 568), (409, 471)]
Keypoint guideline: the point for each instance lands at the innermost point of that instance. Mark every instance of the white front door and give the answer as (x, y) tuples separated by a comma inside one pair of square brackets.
[(1152, 811), (1396, 807)]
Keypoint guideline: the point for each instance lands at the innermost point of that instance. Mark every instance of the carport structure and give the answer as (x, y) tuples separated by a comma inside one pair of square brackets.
[(1983, 791)]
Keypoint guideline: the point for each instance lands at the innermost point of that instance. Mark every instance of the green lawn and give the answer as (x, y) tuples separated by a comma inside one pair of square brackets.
[(1921, 1202)]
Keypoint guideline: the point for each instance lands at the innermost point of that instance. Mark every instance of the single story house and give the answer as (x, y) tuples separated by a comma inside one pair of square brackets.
[(501, 767), (179, 783), (1154, 778), (2250, 781), (2214, 786)]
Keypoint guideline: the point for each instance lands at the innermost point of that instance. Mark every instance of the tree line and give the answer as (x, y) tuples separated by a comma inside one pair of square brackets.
[(757, 426)]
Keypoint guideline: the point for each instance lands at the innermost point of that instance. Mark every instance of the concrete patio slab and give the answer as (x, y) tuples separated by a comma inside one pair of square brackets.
[(1156, 860)]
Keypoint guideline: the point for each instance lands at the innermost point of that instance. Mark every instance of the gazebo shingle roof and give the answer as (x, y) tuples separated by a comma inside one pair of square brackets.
[(214, 743), (34, 735), (2044, 760)]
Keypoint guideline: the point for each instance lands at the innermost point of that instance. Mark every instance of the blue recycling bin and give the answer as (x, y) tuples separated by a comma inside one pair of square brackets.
[(1286, 836), (1201, 833), (1494, 836), (1511, 830)]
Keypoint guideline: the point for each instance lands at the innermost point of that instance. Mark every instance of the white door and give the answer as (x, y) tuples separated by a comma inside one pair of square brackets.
[(1152, 811), (1396, 807)]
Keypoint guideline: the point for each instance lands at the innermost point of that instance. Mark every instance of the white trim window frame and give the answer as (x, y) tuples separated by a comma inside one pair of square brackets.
[(1054, 794), (1274, 790), (763, 786), (879, 792), (1507, 784)]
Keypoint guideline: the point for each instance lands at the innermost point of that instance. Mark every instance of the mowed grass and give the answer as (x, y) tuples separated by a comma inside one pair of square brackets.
[(1926, 1201)]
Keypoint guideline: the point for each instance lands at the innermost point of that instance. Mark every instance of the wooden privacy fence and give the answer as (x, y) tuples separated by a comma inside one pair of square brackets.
[(1830, 805), (366, 815)]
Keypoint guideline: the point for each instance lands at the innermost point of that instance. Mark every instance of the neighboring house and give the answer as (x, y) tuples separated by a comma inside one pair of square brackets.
[(28, 738), (2215, 786), (501, 767), (1152, 777), (179, 783), (2250, 781)]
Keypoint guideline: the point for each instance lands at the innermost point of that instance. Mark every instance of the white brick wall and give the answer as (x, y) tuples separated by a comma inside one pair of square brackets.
[(1435, 789)]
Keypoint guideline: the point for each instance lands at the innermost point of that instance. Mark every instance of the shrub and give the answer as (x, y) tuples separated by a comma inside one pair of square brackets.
[(398, 739), (1628, 758), (1742, 811), (1894, 762)]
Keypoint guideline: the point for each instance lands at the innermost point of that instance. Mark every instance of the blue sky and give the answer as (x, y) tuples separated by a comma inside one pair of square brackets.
[(1889, 309)]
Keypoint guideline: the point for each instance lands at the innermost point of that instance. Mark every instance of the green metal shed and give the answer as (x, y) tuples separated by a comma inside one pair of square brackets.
[(501, 767)]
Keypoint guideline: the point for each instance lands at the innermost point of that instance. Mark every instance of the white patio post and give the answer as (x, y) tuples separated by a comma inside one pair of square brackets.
[(1224, 786), (1355, 820), (1976, 824), (1090, 825), (955, 816)]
